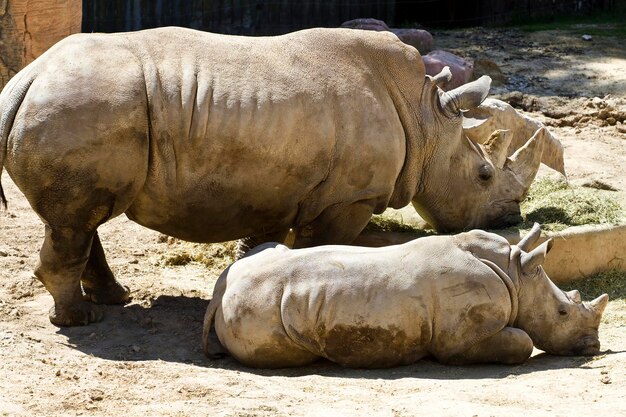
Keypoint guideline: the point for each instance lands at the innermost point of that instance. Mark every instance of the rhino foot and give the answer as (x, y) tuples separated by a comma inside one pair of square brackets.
[(77, 315), (111, 293)]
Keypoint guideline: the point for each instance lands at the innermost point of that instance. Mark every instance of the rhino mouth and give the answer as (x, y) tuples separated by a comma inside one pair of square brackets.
[(507, 219), (511, 214)]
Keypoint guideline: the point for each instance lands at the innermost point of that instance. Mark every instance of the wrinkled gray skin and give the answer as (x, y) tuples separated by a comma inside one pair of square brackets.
[(209, 138), (469, 298)]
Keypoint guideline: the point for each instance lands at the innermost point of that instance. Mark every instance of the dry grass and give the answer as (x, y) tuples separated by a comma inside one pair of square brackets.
[(612, 283), (215, 256), (556, 205)]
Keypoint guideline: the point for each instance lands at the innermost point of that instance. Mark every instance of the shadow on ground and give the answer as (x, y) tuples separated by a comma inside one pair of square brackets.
[(170, 329)]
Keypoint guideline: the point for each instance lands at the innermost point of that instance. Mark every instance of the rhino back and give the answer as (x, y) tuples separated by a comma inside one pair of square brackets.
[(365, 307), (261, 131)]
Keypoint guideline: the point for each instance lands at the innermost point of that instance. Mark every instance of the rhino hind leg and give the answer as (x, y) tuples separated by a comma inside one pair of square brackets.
[(509, 346), (63, 257), (99, 284)]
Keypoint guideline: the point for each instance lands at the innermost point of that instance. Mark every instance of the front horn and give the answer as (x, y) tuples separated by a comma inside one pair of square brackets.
[(524, 163)]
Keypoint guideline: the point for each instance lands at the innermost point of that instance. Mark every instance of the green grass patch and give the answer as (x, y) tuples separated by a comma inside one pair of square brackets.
[(556, 205), (612, 283)]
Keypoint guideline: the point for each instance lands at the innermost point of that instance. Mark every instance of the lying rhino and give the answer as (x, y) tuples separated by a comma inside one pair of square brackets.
[(469, 298), (209, 138)]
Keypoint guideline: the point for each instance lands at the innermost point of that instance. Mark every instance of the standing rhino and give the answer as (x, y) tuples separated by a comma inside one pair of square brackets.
[(469, 298), (209, 138)]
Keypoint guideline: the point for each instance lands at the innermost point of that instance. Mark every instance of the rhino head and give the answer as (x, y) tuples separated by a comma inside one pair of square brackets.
[(467, 184), (558, 322)]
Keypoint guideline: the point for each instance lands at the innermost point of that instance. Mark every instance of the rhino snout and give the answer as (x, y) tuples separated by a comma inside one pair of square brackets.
[(587, 346)]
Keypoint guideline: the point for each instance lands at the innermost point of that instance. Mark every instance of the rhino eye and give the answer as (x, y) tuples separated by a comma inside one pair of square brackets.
[(485, 172), (562, 311)]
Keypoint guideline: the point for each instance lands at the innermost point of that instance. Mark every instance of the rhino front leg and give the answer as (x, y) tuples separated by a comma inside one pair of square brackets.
[(338, 224), (247, 243), (63, 257), (99, 284), (509, 346)]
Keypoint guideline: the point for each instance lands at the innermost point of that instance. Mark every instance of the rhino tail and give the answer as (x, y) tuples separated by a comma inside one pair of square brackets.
[(10, 100), (211, 344)]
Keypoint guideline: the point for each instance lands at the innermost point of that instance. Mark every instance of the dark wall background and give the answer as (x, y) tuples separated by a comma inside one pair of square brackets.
[(244, 17), (268, 17), (491, 12)]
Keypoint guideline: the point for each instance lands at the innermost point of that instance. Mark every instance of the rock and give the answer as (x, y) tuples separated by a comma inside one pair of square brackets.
[(366, 24), (485, 66), (29, 27), (417, 38), (462, 69), (611, 121), (587, 37)]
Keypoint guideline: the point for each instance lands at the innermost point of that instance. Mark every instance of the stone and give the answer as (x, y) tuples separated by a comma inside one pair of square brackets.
[(29, 27), (417, 38), (462, 69), (366, 24)]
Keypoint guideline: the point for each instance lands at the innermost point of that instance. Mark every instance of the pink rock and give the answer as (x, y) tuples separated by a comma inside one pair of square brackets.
[(417, 38), (366, 24), (461, 68)]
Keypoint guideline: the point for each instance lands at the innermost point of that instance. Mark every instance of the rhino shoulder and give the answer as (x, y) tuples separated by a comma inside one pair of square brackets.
[(485, 245)]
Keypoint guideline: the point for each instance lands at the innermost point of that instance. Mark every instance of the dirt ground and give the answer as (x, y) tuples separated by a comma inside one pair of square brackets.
[(145, 358)]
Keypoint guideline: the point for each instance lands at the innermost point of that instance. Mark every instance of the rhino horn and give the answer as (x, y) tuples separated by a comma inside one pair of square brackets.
[(552, 155), (599, 304), (530, 238), (496, 147), (524, 163), (465, 97), (470, 123), (531, 260), (443, 78)]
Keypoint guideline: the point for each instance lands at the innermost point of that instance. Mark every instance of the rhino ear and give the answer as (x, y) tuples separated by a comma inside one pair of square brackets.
[(530, 238), (465, 97), (531, 260), (574, 295), (443, 78)]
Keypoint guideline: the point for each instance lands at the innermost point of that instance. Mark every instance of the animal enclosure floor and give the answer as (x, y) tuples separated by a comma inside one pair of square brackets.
[(145, 358)]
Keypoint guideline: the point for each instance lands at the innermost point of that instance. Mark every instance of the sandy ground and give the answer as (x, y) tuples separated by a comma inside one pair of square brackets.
[(145, 357)]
